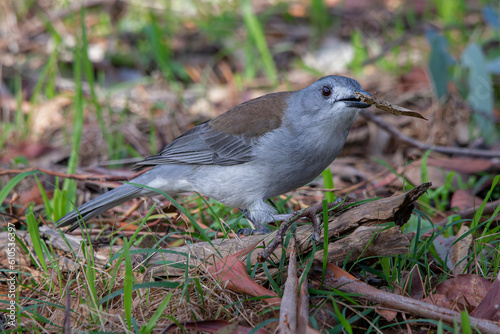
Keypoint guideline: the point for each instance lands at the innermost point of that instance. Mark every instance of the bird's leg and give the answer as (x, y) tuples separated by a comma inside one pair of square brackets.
[(248, 231), (260, 228), (282, 216)]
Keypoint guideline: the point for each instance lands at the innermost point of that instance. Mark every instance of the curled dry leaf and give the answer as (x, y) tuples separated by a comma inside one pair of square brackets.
[(386, 106), (489, 307), (459, 251), (413, 284), (233, 272), (460, 292)]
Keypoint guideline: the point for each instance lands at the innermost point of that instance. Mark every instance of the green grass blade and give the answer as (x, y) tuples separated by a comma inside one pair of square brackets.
[(156, 316), (128, 284), (342, 319), (479, 212), (180, 208), (69, 186), (466, 328), (319, 15), (159, 284), (328, 184), (90, 271), (35, 238), (122, 254), (48, 207), (12, 183), (5, 131), (256, 32), (271, 279), (89, 74), (19, 115), (393, 171)]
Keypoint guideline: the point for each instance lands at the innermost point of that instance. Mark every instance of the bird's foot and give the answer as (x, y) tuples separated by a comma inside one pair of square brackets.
[(249, 231), (311, 214), (339, 200)]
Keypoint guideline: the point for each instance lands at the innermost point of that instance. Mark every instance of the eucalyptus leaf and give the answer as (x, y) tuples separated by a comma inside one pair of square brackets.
[(439, 61), (490, 15), (480, 95), (493, 66)]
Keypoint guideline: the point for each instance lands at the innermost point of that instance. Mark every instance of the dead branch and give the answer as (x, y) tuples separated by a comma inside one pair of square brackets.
[(423, 146), (403, 304), (489, 208), (80, 177)]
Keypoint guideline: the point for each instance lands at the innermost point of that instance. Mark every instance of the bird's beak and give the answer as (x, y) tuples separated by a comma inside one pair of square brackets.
[(354, 102)]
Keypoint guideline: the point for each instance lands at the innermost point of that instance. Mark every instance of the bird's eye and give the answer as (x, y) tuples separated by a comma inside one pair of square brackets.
[(326, 91)]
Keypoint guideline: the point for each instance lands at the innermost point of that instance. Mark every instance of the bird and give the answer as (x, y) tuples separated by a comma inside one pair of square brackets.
[(255, 151)]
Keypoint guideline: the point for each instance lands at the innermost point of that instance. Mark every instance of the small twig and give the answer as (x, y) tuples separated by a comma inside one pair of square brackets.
[(404, 304), (131, 210), (489, 208), (67, 311), (315, 228), (423, 146), (83, 177), (13, 217)]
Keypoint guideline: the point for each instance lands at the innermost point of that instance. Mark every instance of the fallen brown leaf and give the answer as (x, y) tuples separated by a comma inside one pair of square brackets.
[(234, 273), (489, 308), (460, 250), (463, 199), (49, 115), (438, 299), (466, 291), (413, 284)]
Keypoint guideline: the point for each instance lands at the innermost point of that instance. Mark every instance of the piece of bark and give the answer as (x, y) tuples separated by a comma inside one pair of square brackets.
[(303, 307), (489, 308), (288, 309), (367, 241)]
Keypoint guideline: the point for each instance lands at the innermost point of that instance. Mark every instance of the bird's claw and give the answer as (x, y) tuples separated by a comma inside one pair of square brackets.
[(249, 231)]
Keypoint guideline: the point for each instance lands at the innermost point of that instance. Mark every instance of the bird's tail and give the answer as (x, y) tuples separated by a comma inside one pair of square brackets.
[(99, 204)]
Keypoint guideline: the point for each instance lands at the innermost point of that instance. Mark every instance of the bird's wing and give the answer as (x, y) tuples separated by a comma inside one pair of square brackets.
[(227, 139), (202, 146)]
